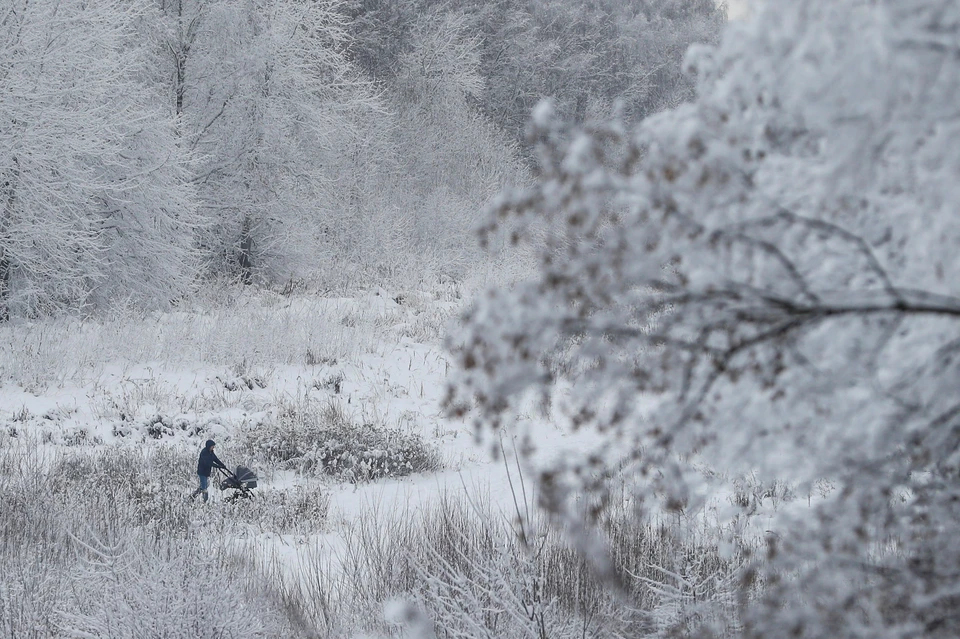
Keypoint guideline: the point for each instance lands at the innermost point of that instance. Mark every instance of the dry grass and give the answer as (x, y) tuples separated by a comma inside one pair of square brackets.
[(101, 542), (114, 519), (470, 573)]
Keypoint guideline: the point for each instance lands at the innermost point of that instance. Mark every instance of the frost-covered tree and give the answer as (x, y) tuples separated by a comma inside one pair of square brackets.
[(91, 193), (610, 50), (580, 54), (411, 186), (265, 98), (763, 279), (458, 156)]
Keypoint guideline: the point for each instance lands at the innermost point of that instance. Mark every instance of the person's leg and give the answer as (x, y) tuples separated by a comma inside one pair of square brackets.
[(202, 488)]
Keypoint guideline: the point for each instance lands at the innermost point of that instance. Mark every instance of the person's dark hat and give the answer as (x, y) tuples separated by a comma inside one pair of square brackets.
[(210, 444)]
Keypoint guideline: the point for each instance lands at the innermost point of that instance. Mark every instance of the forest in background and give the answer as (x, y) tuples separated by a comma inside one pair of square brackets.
[(148, 148)]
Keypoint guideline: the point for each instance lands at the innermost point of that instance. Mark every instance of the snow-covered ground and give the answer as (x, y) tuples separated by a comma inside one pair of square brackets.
[(132, 383), (172, 381), (379, 357)]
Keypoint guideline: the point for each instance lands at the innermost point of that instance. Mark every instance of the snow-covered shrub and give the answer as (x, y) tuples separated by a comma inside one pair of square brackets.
[(152, 483), (751, 492), (318, 438), (332, 383), (132, 585)]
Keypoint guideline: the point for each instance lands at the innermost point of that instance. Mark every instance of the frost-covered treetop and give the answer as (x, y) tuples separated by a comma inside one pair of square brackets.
[(764, 278)]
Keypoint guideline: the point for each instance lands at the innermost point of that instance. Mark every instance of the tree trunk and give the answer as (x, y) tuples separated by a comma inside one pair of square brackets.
[(580, 110), (4, 288), (9, 192), (245, 254), (180, 52)]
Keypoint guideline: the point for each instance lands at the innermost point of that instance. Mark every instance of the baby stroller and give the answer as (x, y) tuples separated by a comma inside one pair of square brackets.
[(240, 483)]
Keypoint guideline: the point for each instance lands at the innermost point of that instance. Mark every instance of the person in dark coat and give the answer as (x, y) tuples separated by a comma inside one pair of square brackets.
[(208, 461)]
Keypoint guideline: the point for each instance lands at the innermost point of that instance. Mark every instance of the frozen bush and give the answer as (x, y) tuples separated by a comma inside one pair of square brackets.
[(319, 439)]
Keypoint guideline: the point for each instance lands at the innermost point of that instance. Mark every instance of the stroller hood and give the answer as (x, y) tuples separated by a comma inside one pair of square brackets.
[(243, 479), (246, 476)]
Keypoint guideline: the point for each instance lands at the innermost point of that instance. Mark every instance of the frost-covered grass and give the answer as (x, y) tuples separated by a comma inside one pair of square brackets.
[(469, 570), (245, 332), (102, 543)]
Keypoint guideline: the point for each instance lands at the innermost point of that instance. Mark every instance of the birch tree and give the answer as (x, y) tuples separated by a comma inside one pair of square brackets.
[(763, 279)]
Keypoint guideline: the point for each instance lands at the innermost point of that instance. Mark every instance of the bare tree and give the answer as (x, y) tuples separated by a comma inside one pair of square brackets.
[(762, 279)]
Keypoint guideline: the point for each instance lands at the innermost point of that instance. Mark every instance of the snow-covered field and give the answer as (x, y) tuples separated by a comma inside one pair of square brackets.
[(130, 384), (275, 381)]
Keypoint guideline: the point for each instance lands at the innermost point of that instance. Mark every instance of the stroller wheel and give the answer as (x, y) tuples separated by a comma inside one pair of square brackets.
[(242, 493)]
